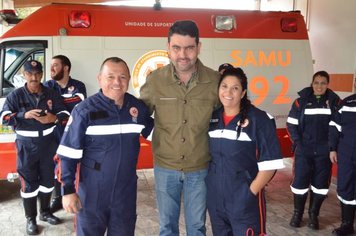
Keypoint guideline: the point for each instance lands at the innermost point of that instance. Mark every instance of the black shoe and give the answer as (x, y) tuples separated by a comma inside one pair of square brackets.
[(49, 218), (296, 220), (344, 230), (56, 204), (313, 222), (31, 227)]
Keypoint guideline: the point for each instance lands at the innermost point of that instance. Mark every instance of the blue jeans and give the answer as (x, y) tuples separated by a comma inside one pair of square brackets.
[(170, 186)]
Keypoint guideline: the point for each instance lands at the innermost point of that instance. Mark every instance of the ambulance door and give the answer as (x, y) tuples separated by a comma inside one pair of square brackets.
[(13, 55)]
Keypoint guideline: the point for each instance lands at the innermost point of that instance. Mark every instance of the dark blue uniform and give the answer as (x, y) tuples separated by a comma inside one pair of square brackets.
[(307, 124), (235, 163), (343, 140), (105, 140), (72, 94), (35, 142)]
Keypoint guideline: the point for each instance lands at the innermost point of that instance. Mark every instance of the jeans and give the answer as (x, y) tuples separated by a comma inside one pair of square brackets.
[(170, 186)]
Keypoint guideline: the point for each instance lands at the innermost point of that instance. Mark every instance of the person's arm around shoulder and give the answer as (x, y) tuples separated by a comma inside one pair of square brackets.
[(147, 94), (148, 122)]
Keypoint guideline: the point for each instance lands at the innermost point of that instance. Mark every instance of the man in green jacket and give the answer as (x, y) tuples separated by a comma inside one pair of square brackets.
[(182, 96)]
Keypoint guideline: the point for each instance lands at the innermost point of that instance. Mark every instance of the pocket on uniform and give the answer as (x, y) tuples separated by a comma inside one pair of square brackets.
[(166, 107), (89, 188)]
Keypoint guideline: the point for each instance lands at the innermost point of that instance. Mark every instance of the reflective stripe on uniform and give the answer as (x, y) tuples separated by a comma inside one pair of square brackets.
[(346, 202), (114, 129), (65, 112), (44, 189), (333, 123), (229, 134), (3, 115), (271, 165), (299, 191), (319, 191), (70, 152), (317, 111), (292, 121), (346, 108), (33, 134), (29, 195)]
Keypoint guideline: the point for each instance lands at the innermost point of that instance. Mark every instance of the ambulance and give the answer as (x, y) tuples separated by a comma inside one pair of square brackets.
[(271, 47)]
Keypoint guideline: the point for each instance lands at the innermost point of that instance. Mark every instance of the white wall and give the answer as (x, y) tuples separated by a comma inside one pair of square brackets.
[(332, 32)]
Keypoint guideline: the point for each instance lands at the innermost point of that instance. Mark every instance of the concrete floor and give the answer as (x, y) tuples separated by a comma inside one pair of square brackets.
[(279, 210)]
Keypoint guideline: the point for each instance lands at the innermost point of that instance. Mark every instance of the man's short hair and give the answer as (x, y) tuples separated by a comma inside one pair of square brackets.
[(184, 27), (114, 60), (65, 61)]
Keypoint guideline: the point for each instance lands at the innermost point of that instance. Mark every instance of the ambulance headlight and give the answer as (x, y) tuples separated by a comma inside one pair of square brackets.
[(225, 23)]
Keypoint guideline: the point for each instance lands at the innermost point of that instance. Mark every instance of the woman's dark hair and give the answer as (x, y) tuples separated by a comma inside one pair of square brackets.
[(322, 74), (245, 102)]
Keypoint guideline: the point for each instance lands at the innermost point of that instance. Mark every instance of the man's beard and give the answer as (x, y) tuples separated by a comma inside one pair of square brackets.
[(58, 76)]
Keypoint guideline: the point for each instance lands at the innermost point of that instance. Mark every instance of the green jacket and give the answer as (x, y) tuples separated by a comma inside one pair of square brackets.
[(182, 116)]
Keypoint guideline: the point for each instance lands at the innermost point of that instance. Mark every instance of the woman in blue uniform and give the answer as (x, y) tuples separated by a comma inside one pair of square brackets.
[(342, 142), (245, 154), (307, 124)]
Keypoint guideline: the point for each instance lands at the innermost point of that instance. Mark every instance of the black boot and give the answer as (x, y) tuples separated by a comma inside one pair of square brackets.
[(30, 206), (45, 213), (299, 203), (56, 202), (314, 208), (347, 221)]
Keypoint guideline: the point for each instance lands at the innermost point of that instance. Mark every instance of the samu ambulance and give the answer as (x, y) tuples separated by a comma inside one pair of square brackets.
[(272, 48)]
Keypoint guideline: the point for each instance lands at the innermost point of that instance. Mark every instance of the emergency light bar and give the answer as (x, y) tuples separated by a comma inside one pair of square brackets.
[(79, 19), (9, 16), (289, 25)]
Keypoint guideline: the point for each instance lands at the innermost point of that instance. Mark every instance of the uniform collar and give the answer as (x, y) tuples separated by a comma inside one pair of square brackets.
[(111, 101)]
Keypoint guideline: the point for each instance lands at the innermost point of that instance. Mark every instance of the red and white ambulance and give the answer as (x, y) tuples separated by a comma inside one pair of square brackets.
[(272, 47)]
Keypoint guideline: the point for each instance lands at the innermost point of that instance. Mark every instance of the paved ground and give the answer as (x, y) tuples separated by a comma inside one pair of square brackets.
[(279, 210)]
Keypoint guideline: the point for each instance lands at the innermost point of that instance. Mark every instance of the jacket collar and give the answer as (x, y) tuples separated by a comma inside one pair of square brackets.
[(201, 78)]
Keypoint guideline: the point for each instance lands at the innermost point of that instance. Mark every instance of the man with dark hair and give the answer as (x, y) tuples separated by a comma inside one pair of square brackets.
[(72, 91), (34, 111), (182, 96), (103, 134)]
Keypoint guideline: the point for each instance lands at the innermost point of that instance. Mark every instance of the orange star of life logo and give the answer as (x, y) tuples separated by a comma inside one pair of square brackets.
[(145, 65)]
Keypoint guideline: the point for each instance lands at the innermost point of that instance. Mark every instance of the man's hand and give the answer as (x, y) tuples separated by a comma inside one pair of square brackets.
[(333, 156), (71, 203), (33, 114), (47, 118)]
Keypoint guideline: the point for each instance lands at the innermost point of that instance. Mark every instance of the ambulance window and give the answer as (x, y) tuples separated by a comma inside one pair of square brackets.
[(13, 55), (10, 56)]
